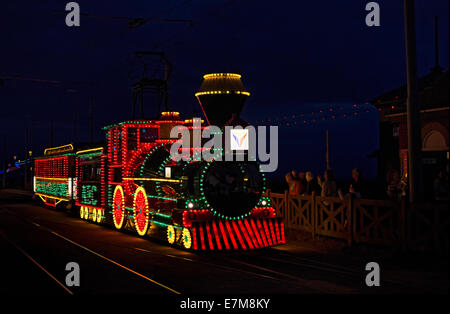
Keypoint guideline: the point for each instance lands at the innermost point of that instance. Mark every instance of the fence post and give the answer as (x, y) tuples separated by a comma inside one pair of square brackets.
[(316, 215), (313, 214), (402, 224), (349, 214), (286, 208), (354, 222)]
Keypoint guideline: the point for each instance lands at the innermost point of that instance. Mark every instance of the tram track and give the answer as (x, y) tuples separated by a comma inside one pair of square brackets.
[(235, 264), (273, 267), (328, 270), (200, 259), (232, 264), (33, 260), (74, 243), (205, 260), (351, 272)]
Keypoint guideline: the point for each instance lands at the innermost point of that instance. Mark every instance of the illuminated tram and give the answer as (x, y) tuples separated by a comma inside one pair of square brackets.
[(133, 183)]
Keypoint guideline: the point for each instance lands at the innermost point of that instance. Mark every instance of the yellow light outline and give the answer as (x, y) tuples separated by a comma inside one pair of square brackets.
[(222, 92), (58, 199), (99, 215), (41, 197), (210, 75), (53, 179), (171, 239), (140, 232), (119, 187), (58, 147), (89, 150), (192, 121), (170, 113), (187, 244), (94, 215), (154, 179)]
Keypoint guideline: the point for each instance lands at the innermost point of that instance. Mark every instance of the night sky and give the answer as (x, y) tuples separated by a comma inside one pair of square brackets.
[(294, 57)]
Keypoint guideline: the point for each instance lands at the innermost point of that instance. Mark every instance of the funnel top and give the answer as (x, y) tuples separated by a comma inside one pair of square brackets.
[(222, 97), (218, 75), (222, 83)]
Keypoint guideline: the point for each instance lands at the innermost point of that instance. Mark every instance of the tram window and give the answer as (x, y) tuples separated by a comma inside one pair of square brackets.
[(132, 139), (148, 135), (91, 171)]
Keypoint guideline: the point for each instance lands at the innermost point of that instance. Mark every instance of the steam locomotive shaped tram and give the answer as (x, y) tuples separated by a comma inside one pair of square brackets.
[(134, 184)]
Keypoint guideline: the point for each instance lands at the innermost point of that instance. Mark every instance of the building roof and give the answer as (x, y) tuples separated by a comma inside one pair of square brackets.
[(433, 92)]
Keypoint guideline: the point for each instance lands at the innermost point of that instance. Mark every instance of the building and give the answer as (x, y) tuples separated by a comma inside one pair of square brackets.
[(433, 98)]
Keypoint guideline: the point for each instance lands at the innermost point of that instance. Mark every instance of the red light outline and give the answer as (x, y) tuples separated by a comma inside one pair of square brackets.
[(258, 237), (236, 229), (194, 238), (269, 240), (202, 236), (277, 230), (261, 232), (227, 224), (208, 233), (224, 235), (249, 241), (271, 231), (219, 246), (251, 234)]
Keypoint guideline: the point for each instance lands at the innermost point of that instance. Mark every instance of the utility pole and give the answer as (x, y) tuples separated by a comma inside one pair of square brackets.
[(32, 136), (436, 45), (413, 114), (25, 183), (4, 162), (436, 42), (157, 86), (28, 149), (91, 120), (30, 153), (327, 154)]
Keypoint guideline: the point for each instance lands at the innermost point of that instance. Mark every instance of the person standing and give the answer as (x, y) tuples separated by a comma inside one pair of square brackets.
[(311, 184), (396, 187), (328, 185), (440, 186), (302, 182), (357, 186), (293, 183)]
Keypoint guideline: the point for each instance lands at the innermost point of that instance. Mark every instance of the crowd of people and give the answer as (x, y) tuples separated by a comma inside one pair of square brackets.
[(301, 183), (304, 183)]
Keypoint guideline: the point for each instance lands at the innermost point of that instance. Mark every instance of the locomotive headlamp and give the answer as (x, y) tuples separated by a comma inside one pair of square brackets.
[(168, 172), (264, 201)]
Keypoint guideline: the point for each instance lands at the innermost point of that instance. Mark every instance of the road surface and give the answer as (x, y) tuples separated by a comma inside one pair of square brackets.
[(37, 243)]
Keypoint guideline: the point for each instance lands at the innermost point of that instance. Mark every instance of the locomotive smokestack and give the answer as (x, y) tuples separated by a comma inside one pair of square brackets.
[(221, 96)]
